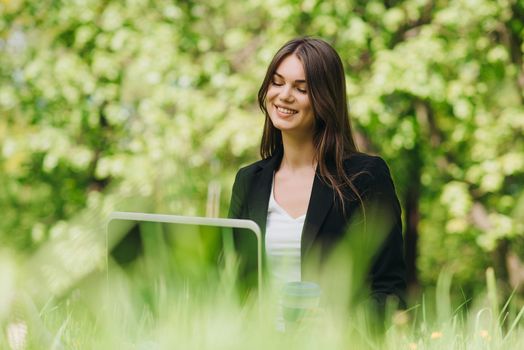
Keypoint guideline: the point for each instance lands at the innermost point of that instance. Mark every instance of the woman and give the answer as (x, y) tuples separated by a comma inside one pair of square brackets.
[(312, 183)]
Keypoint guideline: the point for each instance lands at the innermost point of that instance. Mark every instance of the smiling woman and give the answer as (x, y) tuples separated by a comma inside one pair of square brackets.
[(312, 183), (287, 99)]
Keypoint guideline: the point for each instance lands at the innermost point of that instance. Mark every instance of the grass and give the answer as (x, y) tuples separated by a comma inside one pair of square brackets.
[(151, 305), (98, 315)]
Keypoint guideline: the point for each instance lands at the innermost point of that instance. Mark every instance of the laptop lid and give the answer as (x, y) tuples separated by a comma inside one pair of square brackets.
[(181, 252)]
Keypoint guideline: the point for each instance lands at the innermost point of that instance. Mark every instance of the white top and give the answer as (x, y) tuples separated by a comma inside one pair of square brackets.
[(283, 241)]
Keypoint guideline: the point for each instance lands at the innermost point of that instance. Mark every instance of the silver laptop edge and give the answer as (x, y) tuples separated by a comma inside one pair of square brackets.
[(194, 220)]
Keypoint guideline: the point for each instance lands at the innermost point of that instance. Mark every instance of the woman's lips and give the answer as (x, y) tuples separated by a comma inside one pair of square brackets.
[(285, 112)]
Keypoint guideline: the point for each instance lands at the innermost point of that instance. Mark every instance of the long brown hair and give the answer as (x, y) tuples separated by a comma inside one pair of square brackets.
[(332, 138)]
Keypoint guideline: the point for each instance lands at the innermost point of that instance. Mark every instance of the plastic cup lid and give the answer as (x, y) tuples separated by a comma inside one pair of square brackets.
[(302, 289)]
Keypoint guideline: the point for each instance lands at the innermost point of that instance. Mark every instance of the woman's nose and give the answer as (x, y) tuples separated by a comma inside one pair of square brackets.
[(285, 93)]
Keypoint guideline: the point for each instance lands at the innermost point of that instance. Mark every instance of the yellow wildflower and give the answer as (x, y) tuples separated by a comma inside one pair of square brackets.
[(436, 335), (485, 334)]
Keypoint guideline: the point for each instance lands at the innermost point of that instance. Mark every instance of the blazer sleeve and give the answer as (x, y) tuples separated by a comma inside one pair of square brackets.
[(243, 239), (237, 196), (388, 269)]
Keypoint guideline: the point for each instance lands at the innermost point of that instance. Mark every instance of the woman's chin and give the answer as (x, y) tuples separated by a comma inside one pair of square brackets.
[(282, 125)]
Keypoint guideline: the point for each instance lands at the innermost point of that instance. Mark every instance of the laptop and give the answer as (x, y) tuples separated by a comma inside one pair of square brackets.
[(179, 254)]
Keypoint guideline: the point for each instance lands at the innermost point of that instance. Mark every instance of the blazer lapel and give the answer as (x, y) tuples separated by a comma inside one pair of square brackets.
[(320, 203)]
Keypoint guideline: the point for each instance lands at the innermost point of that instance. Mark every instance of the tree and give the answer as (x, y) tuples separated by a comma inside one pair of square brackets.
[(103, 100)]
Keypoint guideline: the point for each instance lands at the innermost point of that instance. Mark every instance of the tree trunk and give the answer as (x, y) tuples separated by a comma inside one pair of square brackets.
[(412, 215)]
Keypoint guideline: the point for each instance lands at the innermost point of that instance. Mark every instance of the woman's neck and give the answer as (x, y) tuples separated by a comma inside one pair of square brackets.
[(298, 154)]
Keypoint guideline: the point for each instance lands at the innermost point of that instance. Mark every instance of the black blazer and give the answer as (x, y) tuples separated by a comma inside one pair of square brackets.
[(326, 222)]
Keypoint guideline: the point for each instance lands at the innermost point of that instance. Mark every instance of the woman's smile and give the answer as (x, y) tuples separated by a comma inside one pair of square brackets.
[(285, 112)]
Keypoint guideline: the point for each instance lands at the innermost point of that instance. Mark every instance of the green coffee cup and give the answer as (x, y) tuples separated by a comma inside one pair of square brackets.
[(299, 300)]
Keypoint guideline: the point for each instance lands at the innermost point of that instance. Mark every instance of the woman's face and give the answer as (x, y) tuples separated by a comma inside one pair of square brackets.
[(287, 100)]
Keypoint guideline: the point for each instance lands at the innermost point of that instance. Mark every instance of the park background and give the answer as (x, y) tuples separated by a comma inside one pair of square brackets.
[(151, 106)]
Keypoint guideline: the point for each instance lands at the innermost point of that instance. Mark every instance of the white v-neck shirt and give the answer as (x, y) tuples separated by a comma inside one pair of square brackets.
[(283, 241)]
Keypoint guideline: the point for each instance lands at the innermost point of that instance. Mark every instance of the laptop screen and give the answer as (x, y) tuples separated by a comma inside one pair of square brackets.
[(157, 253)]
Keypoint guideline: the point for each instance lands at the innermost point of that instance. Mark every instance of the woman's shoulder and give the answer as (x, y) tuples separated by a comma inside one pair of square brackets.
[(368, 172), (359, 162), (253, 168)]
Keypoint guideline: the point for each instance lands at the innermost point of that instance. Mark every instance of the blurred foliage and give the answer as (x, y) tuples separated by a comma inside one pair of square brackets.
[(112, 105), (156, 311)]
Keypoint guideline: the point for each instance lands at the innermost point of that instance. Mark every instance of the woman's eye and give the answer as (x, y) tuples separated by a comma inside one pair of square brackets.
[(276, 83), (302, 90)]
